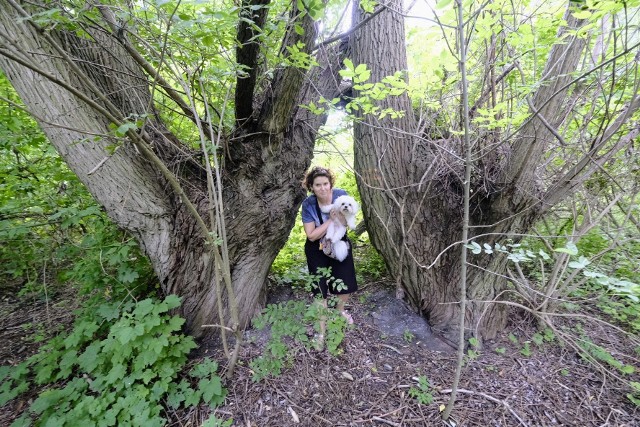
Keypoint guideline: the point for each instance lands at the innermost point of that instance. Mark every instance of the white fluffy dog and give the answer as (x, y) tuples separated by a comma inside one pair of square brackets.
[(344, 208)]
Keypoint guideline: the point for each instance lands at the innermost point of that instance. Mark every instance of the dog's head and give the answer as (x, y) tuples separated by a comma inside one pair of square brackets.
[(346, 205)]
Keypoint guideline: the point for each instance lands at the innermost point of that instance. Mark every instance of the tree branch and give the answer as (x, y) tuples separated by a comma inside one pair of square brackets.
[(283, 92), (590, 163), (491, 398), (145, 65), (253, 16), (109, 111), (352, 29), (563, 60)]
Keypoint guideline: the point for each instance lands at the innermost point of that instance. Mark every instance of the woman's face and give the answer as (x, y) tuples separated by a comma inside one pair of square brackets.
[(321, 186)]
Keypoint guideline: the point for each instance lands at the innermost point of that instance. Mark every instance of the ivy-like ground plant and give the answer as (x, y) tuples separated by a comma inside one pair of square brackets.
[(116, 367)]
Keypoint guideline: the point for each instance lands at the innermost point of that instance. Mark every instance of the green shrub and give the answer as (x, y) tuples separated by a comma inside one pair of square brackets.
[(422, 392), (51, 227), (116, 367), (289, 322)]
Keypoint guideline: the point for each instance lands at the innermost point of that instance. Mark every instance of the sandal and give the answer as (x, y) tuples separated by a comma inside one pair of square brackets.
[(348, 317)]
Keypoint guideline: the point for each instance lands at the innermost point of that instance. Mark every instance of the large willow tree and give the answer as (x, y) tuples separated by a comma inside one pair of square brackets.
[(143, 99), (553, 102)]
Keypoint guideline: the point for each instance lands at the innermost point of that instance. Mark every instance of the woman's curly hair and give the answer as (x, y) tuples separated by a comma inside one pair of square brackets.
[(316, 171)]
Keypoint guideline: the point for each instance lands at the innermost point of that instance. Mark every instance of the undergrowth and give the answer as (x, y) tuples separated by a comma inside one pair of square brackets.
[(118, 366), (289, 324)]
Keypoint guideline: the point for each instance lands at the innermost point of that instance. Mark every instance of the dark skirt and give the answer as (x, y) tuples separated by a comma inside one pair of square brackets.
[(343, 270)]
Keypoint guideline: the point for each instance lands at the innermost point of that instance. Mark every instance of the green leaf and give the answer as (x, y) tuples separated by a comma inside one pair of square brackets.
[(628, 369), (89, 359), (127, 275), (349, 65), (212, 392), (441, 4), (144, 307), (125, 127), (116, 373), (475, 247), (570, 248), (206, 368), (208, 40), (124, 334), (108, 311), (46, 400), (23, 421), (368, 5), (175, 323), (67, 362), (582, 14), (172, 301), (192, 397)]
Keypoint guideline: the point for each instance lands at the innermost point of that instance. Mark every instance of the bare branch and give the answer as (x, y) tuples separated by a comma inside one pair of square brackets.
[(591, 162)]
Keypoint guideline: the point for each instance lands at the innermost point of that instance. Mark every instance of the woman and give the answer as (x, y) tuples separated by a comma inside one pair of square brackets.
[(319, 181)]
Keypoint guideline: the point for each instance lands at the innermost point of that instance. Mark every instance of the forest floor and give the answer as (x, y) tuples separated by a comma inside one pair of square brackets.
[(383, 355)]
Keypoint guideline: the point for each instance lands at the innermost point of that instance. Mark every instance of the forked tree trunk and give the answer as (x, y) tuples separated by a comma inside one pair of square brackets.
[(261, 180), (412, 188)]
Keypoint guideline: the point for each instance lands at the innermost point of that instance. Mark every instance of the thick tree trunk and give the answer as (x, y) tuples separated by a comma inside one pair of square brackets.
[(411, 187), (261, 183)]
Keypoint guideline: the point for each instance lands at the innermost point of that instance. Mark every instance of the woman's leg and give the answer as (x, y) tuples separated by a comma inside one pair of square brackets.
[(342, 300), (318, 340)]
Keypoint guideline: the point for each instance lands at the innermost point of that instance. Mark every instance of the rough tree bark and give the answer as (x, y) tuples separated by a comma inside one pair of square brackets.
[(411, 186), (272, 147)]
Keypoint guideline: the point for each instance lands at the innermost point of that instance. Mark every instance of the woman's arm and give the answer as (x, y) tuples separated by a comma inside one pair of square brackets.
[(314, 233)]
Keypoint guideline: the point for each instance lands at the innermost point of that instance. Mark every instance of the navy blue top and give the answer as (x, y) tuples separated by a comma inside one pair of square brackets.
[(309, 212)]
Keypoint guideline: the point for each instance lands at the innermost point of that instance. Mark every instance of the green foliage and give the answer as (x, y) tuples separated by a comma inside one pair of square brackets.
[(599, 353), (408, 336), (473, 350), (215, 422), (51, 227), (634, 396), (618, 297), (368, 5), (513, 339), (290, 266), (422, 392), (315, 8), (526, 349), (288, 323), (299, 58), (594, 352), (117, 366), (370, 94)]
